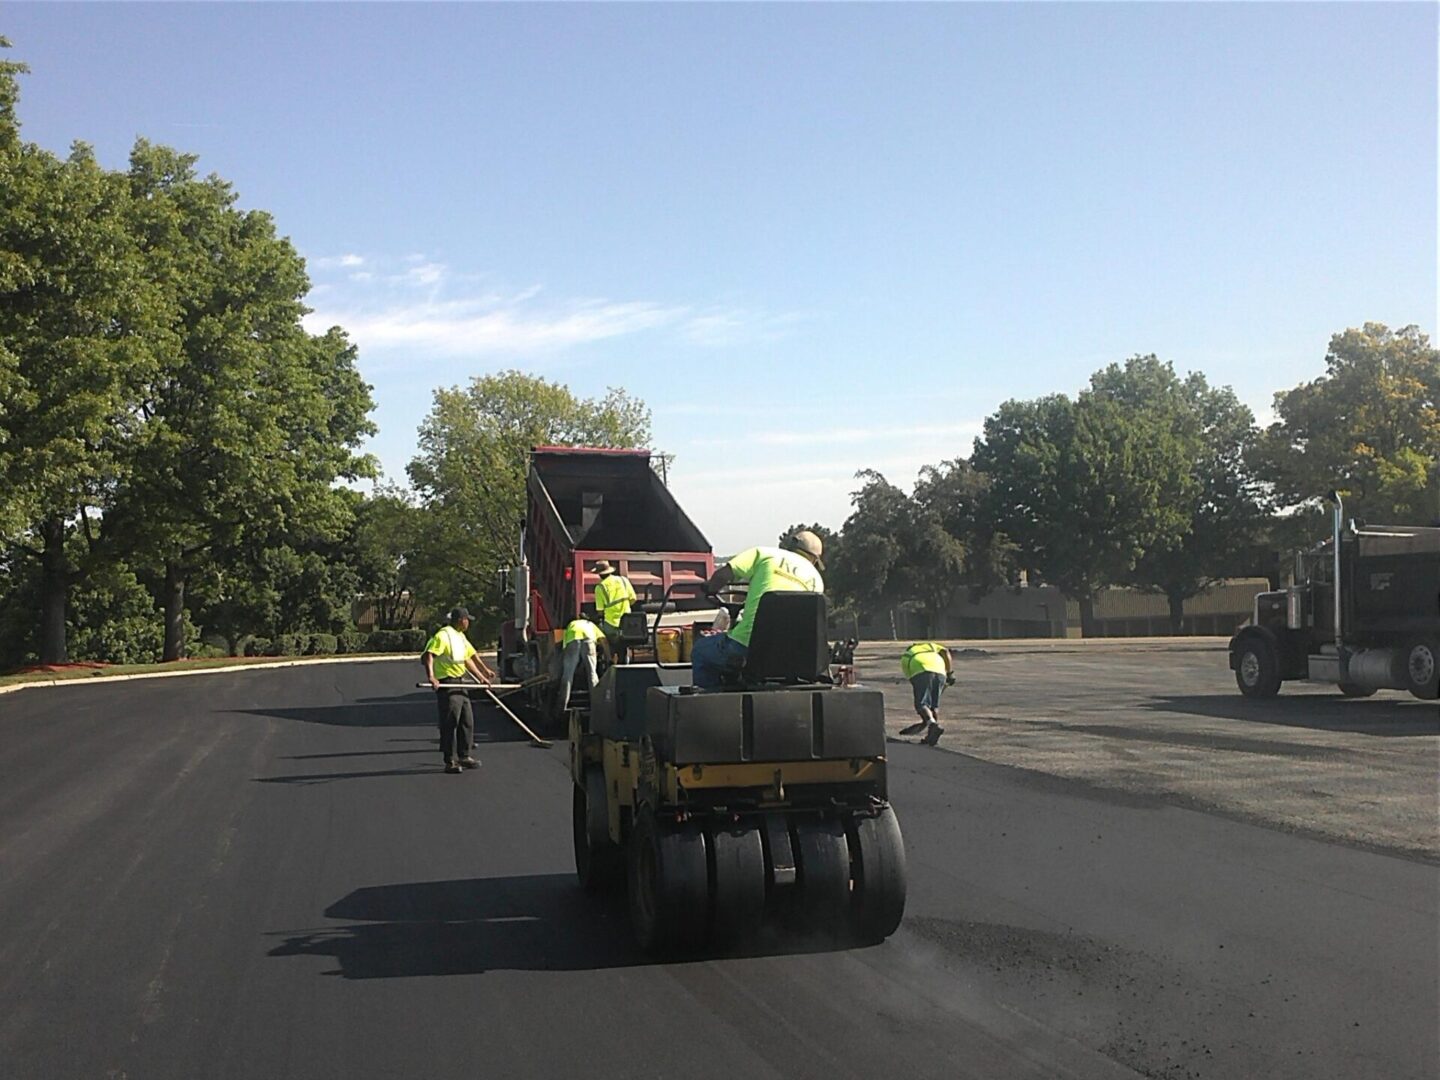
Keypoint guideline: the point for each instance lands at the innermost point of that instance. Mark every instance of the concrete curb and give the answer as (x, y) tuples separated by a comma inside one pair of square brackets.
[(368, 658)]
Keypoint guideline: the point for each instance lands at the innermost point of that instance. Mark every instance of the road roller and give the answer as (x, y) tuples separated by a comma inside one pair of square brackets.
[(761, 804)]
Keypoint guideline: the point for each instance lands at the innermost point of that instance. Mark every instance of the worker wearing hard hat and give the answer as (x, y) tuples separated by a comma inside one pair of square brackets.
[(578, 651), (613, 596), (447, 657), (928, 666), (795, 567)]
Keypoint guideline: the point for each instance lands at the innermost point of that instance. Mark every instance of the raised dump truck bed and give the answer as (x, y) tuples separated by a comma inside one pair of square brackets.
[(584, 505)]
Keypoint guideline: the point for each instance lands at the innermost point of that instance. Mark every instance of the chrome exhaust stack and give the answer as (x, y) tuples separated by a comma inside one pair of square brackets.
[(1338, 525)]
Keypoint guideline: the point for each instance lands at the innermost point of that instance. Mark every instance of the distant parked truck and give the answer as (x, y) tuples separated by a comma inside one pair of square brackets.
[(1384, 633)]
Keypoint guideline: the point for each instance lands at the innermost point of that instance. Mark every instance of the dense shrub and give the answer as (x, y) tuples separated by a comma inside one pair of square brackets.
[(257, 646), (351, 641), (401, 641), (321, 645)]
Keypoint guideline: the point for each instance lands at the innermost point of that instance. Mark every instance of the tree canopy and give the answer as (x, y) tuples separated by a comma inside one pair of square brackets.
[(469, 473)]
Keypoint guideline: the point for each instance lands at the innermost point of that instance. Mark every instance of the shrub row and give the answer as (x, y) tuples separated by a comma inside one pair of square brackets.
[(351, 641)]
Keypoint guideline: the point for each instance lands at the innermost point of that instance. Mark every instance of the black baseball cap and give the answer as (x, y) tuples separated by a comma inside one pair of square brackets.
[(458, 613)]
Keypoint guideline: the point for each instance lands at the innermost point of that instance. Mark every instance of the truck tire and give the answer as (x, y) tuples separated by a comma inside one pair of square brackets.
[(877, 860), (1257, 671), (1355, 690), (599, 863), (669, 886), (737, 884), (1422, 668)]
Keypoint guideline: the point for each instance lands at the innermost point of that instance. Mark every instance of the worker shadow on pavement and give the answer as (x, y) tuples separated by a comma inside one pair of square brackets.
[(410, 710), (1365, 716), (539, 922)]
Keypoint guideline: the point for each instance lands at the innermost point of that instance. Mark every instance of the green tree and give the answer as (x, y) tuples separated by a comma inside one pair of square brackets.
[(79, 326), (471, 468), (1370, 427), (249, 421), (388, 532), (953, 494), (1221, 504), (1083, 488), (894, 550)]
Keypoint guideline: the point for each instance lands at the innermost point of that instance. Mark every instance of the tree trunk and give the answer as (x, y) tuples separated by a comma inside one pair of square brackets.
[(54, 588), (1177, 613), (174, 610), (1087, 616)]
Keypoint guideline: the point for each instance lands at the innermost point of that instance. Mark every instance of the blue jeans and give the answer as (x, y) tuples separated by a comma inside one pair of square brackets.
[(713, 657)]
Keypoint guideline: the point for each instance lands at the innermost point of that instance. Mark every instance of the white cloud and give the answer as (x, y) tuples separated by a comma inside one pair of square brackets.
[(419, 304), (331, 262), (463, 327)]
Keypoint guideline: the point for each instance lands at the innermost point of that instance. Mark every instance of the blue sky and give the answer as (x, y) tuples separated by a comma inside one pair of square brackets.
[(812, 238)]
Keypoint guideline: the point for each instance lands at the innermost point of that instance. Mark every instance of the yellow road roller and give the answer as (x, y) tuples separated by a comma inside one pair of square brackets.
[(722, 811)]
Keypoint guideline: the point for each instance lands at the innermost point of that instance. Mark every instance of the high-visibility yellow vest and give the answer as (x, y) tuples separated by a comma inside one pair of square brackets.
[(451, 648), (581, 630), (613, 596), (923, 656)]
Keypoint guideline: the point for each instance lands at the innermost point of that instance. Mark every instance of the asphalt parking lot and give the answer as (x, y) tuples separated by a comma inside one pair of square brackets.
[(1162, 719)]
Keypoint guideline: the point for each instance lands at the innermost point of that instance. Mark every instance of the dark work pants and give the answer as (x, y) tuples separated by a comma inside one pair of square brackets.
[(457, 723)]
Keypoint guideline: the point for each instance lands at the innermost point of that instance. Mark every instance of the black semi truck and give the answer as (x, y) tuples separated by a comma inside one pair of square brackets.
[(1382, 634)]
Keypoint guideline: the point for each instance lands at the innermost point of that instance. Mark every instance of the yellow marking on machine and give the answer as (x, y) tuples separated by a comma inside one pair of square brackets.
[(773, 775)]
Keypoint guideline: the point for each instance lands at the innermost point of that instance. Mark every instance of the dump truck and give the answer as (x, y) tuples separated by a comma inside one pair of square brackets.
[(583, 505), (719, 812), (1363, 615)]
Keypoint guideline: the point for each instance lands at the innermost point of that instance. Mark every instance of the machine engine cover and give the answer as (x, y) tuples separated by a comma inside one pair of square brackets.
[(805, 723)]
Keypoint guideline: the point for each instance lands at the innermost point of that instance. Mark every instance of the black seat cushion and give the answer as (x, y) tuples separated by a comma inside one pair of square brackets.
[(788, 643)]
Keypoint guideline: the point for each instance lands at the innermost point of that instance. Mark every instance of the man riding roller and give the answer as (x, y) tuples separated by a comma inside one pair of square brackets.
[(795, 567)]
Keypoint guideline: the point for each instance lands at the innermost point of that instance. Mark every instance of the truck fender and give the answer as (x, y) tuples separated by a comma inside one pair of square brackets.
[(1248, 633)]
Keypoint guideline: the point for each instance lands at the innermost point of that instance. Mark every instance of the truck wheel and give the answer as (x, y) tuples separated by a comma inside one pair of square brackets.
[(1256, 671), (669, 886), (823, 864), (1350, 689), (877, 857), (1422, 668), (737, 883), (598, 862)]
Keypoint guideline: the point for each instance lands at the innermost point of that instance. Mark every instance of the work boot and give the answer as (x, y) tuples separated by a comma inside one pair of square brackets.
[(452, 766), (470, 763), (933, 735), (915, 728)]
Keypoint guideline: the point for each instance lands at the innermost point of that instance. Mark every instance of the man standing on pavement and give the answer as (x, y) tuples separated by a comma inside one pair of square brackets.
[(927, 665), (447, 657), (578, 650), (613, 596), (793, 568)]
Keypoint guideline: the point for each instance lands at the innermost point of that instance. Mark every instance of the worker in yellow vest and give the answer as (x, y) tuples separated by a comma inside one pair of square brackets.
[(795, 567), (447, 657), (613, 596), (928, 666), (578, 650)]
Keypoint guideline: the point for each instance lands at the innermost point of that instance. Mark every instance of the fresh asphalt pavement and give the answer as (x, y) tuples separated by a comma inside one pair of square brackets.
[(266, 874)]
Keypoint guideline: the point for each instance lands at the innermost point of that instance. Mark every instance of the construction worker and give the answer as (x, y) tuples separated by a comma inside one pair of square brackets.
[(795, 567), (447, 657), (578, 645), (928, 666), (613, 596)]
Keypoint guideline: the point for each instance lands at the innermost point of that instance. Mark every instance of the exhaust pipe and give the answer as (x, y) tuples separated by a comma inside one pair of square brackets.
[(1334, 497)]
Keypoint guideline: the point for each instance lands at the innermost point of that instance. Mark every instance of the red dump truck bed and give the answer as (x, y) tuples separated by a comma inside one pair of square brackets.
[(585, 504)]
